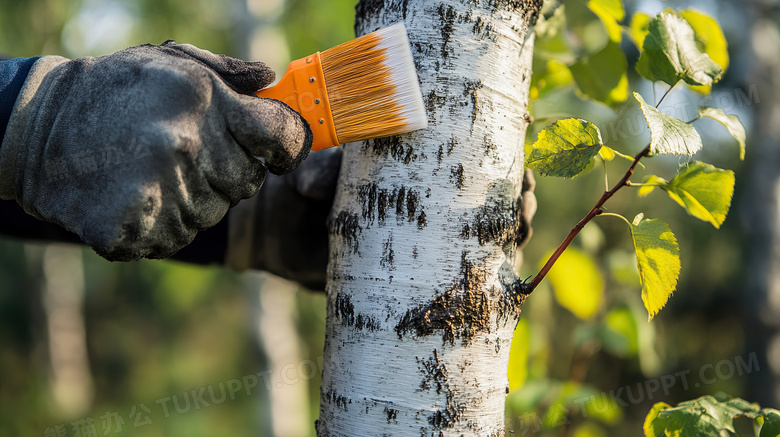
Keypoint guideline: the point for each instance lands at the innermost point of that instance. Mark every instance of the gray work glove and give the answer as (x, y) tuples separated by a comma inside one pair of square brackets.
[(138, 151), (283, 229)]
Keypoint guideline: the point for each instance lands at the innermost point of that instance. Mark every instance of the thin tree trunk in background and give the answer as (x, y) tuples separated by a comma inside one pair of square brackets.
[(422, 295), (70, 380)]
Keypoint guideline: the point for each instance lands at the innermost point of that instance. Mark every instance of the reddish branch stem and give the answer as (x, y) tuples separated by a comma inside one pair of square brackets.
[(581, 224)]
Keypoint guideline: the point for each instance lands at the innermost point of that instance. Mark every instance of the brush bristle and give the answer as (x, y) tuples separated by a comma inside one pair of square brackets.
[(372, 86)]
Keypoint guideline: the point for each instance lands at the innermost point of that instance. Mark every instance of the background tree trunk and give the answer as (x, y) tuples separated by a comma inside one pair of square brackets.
[(422, 292)]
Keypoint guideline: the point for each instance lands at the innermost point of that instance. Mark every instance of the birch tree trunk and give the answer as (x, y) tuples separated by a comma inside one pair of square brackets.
[(422, 293)]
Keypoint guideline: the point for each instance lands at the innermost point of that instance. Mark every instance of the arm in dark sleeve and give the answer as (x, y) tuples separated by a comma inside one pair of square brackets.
[(208, 247), (12, 75)]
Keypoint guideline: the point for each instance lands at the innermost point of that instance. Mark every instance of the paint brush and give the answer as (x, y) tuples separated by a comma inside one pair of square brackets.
[(361, 89)]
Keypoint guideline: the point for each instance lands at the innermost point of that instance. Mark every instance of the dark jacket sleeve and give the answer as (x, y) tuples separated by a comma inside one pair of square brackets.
[(209, 246), (12, 75)]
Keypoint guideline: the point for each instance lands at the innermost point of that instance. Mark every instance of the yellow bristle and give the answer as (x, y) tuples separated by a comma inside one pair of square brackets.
[(372, 86)]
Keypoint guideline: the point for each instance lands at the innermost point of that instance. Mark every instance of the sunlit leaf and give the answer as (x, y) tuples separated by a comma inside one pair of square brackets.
[(611, 13), (564, 148), (606, 153), (518, 355), (652, 427), (602, 76), (640, 26), (732, 123), (547, 76), (702, 417), (658, 261), (703, 190), (669, 135), (577, 283), (709, 39), (670, 53), (651, 182)]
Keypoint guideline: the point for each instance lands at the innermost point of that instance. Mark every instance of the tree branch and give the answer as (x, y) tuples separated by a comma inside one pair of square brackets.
[(531, 286)]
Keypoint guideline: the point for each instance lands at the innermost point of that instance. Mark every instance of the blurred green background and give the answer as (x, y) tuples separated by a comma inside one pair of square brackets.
[(86, 343)]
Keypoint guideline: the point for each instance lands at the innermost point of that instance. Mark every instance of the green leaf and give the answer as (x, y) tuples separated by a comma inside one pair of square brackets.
[(620, 334), (709, 39), (607, 153), (703, 190), (577, 283), (658, 261), (564, 148), (669, 135), (551, 40), (602, 76), (652, 426), (640, 27), (771, 426), (610, 12), (652, 182), (732, 123), (547, 76), (705, 416), (670, 54)]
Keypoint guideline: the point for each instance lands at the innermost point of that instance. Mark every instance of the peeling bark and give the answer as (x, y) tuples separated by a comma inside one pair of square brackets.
[(423, 294)]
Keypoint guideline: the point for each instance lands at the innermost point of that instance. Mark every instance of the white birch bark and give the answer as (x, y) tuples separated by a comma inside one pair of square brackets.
[(422, 292)]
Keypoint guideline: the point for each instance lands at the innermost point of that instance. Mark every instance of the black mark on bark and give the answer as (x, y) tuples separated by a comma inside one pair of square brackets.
[(462, 311), (392, 415), (388, 255), (433, 101), (457, 176), (346, 225), (447, 15), (422, 221), (471, 88), (338, 400), (393, 147), (378, 202), (434, 372), (499, 220), (343, 309)]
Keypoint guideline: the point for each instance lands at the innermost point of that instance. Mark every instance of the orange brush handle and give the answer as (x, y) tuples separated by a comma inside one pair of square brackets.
[(303, 88)]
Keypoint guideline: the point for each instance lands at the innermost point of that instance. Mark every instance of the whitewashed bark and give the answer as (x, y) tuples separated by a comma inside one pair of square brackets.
[(422, 291)]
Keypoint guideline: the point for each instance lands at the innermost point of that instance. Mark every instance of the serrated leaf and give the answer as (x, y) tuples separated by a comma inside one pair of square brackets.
[(564, 148), (703, 190), (669, 54), (602, 76), (732, 123), (577, 283), (640, 26), (771, 426), (658, 261), (709, 39), (652, 426), (669, 135), (652, 182)]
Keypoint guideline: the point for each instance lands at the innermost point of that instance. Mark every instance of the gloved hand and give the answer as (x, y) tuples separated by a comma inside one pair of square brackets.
[(137, 151), (283, 229)]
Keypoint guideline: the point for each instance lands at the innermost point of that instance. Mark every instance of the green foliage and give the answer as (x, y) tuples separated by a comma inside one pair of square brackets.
[(565, 148), (602, 76), (669, 135), (709, 416), (670, 54), (658, 260), (577, 283), (732, 123), (703, 190)]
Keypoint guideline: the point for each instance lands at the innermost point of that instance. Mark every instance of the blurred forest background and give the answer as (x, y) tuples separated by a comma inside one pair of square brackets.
[(167, 349)]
